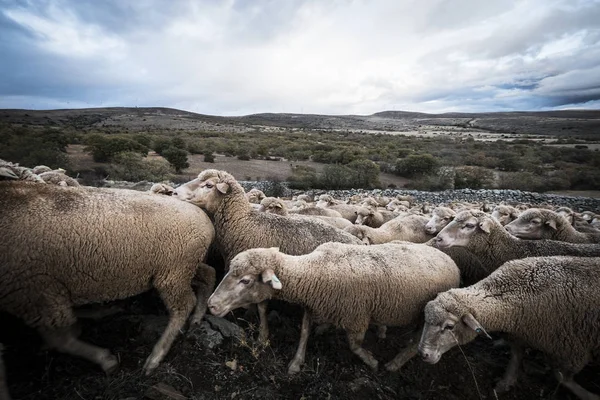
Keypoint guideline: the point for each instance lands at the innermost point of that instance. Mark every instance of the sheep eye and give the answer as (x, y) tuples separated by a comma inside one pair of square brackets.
[(535, 221), (244, 281), (448, 327), (469, 226)]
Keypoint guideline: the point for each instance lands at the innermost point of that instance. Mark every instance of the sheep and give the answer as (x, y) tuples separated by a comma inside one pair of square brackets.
[(40, 169), (410, 228), (483, 236), (372, 217), (66, 247), (325, 212), (58, 177), (347, 211), (162, 188), (536, 223), (505, 214), (255, 196), (385, 284), (548, 303), (277, 206), (304, 197), (239, 228), (11, 171), (441, 216)]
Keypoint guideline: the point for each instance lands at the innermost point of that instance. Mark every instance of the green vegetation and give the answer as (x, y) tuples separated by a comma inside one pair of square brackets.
[(353, 159)]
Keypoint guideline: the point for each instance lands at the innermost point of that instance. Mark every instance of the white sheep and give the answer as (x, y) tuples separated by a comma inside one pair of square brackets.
[(536, 223), (66, 247), (440, 217), (483, 236), (238, 227), (384, 284), (549, 303), (410, 228)]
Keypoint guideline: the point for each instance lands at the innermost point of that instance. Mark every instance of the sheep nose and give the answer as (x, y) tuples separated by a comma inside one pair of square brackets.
[(423, 354)]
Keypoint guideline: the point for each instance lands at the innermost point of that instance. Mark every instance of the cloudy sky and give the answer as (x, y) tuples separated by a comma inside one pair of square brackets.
[(237, 57)]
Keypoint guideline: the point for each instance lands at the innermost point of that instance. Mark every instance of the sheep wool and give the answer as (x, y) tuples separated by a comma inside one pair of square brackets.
[(549, 303), (69, 246)]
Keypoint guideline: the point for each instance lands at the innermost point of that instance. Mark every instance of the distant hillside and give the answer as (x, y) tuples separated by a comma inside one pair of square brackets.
[(583, 123)]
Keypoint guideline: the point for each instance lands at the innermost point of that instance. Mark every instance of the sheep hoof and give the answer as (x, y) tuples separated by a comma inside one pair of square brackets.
[(150, 366), (196, 320), (110, 364), (294, 368), (392, 366), (504, 386)]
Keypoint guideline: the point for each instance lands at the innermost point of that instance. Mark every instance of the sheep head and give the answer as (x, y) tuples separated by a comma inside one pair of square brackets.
[(209, 189), (251, 279), (441, 217), (364, 215), (273, 205), (255, 196), (448, 322), (465, 227), (505, 214), (360, 232), (536, 224)]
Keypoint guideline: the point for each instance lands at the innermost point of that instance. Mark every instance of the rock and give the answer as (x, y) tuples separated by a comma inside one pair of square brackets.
[(206, 336), (226, 328), (162, 391)]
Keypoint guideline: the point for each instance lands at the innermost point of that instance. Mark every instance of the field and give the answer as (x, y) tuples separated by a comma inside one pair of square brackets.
[(240, 368)]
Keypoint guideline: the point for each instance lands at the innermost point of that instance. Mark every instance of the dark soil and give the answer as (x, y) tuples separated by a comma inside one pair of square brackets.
[(197, 372)]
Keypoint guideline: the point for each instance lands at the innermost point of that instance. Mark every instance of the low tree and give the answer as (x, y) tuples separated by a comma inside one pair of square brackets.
[(416, 164), (176, 157)]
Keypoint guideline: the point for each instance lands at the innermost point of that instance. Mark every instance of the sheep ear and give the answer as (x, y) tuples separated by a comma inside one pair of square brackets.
[(223, 187), (278, 206), (472, 323), (486, 226), (268, 276), (551, 223)]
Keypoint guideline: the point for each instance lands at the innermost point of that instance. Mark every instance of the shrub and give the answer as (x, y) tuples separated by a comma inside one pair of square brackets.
[(303, 178), (473, 178), (209, 157), (416, 164), (30, 148), (131, 166), (176, 157), (104, 147)]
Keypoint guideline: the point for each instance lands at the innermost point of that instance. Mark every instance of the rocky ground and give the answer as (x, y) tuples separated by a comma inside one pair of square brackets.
[(220, 359)]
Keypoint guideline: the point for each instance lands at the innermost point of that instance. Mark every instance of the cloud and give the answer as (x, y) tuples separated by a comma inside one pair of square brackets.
[(340, 57)]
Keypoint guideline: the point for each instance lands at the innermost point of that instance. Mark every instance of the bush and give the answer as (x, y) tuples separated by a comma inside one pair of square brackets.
[(30, 148), (303, 178), (131, 166), (104, 147), (209, 157), (273, 187), (443, 179), (473, 178), (416, 164), (176, 157)]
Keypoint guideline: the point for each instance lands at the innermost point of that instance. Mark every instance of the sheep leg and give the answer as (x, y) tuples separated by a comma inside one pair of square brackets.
[(180, 302), (298, 359), (512, 370), (205, 278), (263, 332), (406, 354), (4, 395), (566, 379), (65, 341), (355, 339), (381, 331)]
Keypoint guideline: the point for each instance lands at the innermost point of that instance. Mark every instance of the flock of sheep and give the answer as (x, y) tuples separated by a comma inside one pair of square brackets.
[(453, 272)]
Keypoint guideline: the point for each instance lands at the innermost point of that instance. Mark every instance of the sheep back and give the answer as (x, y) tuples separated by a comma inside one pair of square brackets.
[(91, 245)]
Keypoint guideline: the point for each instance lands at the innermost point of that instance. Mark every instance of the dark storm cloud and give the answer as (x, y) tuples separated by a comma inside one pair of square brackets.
[(338, 56)]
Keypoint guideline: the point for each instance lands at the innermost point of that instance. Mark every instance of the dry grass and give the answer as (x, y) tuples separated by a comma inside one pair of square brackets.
[(258, 170)]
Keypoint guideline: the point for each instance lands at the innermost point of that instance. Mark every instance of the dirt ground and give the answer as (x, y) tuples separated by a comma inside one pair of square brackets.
[(192, 370)]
